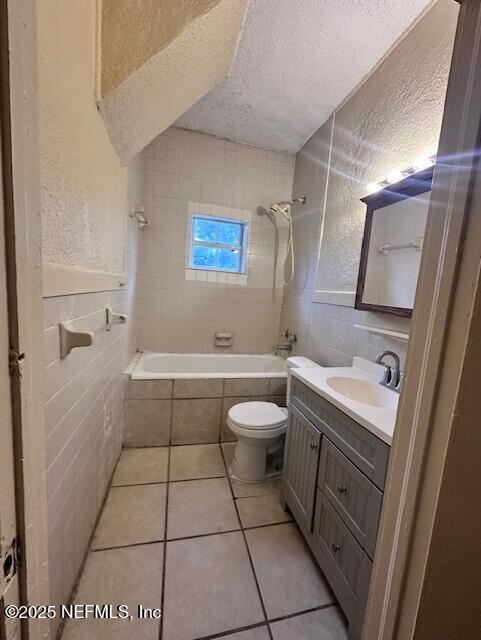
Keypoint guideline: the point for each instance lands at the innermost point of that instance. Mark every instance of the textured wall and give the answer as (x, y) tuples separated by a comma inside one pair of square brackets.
[(132, 32), (180, 314), (159, 92), (84, 187), (394, 117)]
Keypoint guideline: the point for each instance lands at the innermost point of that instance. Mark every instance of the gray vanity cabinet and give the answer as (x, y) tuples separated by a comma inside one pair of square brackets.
[(333, 481)]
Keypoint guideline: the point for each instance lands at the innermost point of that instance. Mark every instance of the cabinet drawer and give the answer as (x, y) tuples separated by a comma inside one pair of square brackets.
[(354, 497), (346, 565), (364, 449)]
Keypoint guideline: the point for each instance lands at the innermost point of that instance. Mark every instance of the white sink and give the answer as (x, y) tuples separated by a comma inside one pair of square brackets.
[(363, 391)]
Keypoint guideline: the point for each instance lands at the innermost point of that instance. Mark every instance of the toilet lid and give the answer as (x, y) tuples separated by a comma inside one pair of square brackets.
[(257, 415)]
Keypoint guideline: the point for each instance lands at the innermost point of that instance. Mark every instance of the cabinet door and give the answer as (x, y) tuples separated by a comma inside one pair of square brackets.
[(344, 563), (300, 467)]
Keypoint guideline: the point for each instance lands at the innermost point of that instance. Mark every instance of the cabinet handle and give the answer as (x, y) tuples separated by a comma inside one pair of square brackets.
[(342, 488), (314, 445), (336, 547)]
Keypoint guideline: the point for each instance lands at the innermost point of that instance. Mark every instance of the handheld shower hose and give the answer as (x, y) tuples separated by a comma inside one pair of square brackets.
[(284, 209)]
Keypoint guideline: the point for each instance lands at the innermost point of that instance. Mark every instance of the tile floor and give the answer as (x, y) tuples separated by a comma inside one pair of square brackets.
[(219, 557)]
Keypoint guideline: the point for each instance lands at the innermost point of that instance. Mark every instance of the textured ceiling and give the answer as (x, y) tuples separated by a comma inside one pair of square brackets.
[(297, 61)]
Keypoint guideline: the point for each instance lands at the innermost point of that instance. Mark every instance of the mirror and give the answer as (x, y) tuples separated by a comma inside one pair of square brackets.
[(392, 245)]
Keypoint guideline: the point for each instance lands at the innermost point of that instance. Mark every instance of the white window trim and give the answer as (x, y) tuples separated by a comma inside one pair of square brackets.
[(220, 212)]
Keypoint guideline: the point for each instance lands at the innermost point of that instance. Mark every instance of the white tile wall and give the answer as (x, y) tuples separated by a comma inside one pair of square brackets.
[(176, 312), (83, 423)]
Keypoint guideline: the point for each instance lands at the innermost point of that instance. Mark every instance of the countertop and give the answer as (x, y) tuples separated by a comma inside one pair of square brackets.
[(378, 420)]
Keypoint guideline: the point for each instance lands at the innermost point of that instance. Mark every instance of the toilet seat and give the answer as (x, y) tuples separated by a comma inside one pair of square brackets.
[(257, 415)]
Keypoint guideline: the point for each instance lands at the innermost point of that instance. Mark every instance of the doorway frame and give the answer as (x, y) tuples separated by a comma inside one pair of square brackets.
[(19, 112), (436, 351)]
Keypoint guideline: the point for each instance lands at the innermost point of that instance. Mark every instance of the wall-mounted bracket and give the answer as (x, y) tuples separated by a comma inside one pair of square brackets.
[(71, 339), (112, 318), (223, 339)]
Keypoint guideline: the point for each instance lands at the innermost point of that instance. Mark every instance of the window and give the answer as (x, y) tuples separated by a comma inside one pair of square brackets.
[(218, 244)]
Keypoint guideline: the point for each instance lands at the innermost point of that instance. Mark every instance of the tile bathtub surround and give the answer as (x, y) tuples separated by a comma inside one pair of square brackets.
[(147, 423), (176, 314), (190, 411), (196, 421), (211, 578), (83, 405)]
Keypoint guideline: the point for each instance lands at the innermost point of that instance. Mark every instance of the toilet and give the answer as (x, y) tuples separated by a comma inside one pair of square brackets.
[(260, 428)]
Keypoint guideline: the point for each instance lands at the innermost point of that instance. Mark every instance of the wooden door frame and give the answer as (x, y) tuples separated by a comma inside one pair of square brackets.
[(19, 112), (448, 286)]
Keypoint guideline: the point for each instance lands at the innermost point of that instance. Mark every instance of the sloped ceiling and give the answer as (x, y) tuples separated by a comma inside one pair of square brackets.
[(157, 59), (297, 61)]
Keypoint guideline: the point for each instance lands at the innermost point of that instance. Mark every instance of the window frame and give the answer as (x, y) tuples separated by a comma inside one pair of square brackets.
[(242, 247)]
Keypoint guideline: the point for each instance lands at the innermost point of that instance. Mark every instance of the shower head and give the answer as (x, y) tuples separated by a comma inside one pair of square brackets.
[(281, 208), (284, 208)]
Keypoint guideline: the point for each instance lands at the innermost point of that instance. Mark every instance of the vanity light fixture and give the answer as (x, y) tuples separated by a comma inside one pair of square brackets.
[(422, 162), (394, 176), (372, 187), (419, 164)]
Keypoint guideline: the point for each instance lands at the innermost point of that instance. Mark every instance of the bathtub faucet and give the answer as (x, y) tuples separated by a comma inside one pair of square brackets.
[(284, 347)]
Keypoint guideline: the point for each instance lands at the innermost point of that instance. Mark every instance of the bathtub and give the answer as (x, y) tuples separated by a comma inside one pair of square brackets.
[(170, 366), (183, 398)]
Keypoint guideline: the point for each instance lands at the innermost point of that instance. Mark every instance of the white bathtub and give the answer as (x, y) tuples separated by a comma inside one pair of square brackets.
[(158, 366)]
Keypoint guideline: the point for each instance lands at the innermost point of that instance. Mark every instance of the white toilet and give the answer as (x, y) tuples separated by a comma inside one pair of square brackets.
[(260, 429)]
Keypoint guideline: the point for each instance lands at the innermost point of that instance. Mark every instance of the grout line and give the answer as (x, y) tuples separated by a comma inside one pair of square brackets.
[(247, 548), (127, 546), (164, 559), (198, 535), (230, 632), (137, 484), (304, 612), (262, 625), (195, 479)]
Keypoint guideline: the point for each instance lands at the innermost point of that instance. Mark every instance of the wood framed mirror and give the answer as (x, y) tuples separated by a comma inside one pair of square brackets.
[(392, 245)]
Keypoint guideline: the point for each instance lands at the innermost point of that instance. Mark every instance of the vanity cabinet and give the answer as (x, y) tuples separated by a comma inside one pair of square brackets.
[(333, 482)]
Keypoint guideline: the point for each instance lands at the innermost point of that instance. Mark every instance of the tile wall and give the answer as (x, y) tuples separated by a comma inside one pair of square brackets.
[(175, 312), (83, 421)]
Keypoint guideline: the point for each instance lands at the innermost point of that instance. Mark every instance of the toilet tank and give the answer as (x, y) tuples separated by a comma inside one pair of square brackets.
[(297, 362)]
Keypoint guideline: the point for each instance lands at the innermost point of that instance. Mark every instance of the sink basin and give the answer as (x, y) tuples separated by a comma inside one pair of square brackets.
[(363, 391)]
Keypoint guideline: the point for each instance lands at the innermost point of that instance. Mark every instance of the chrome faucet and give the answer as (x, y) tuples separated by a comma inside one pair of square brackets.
[(291, 338), (392, 378), (284, 347)]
